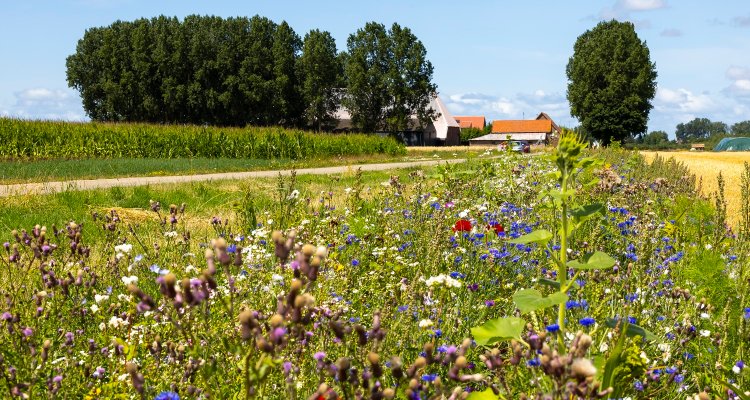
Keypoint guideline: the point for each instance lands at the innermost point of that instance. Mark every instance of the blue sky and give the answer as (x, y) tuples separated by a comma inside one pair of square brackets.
[(501, 59)]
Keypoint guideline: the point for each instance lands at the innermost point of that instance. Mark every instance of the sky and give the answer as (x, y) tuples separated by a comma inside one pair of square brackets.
[(501, 59)]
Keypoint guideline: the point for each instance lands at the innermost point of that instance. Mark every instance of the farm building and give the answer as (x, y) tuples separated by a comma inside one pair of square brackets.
[(443, 130), (541, 130), (465, 122)]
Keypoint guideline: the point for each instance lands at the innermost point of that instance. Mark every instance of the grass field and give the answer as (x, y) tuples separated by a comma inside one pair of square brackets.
[(24, 171), (706, 166)]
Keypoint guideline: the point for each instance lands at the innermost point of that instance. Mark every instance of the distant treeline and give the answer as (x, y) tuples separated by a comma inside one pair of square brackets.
[(240, 71), (21, 139)]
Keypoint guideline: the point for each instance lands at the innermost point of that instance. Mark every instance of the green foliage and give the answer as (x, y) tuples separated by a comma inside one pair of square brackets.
[(34, 139), (471, 133), (497, 330), (320, 67), (528, 300), (741, 128), (611, 81), (654, 138), (202, 69), (389, 79), (699, 129), (595, 260)]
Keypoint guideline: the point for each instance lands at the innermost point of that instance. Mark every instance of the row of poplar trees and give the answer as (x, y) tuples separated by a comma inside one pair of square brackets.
[(240, 71)]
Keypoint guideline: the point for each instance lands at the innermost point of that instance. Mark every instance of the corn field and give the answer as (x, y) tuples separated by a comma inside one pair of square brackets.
[(20, 139)]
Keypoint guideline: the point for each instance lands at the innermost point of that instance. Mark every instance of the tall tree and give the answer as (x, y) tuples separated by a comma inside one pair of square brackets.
[(410, 81), (320, 71), (655, 137), (741, 128), (287, 100), (699, 129), (366, 71), (389, 79), (611, 81)]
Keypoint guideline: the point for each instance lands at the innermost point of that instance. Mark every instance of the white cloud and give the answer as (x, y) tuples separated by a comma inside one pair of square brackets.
[(622, 9), (44, 103), (684, 101), (743, 21), (737, 72), (518, 106), (672, 32), (641, 5), (740, 77)]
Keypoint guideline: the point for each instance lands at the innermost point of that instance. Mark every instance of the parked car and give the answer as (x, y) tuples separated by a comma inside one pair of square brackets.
[(520, 146)]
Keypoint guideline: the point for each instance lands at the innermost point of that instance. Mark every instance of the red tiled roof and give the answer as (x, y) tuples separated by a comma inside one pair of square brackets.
[(470, 121), (522, 126)]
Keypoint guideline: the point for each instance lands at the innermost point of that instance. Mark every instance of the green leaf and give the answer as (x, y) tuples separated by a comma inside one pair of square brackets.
[(540, 236), (497, 330), (528, 300), (484, 395), (555, 284), (595, 260), (586, 212), (632, 329)]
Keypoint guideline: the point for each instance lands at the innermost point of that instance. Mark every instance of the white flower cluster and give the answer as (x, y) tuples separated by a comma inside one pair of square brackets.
[(123, 249), (443, 280)]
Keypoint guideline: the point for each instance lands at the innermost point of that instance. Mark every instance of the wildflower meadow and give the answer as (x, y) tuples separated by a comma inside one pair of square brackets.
[(575, 274)]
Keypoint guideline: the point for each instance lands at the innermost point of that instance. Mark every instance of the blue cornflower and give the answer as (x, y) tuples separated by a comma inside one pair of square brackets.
[(553, 328), (429, 377), (232, 248), (638, 386), (355, 262), (402, 308), (534, 362), (457, 275), (747, 313), (587, 321), (632, 320), (679, 378), (167, 396)]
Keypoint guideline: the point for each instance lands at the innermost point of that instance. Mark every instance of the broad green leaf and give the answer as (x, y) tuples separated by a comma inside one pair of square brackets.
[(484, 395), (586, 212), (561, 195), (632, 329), (595, 260), (528, 300), (540, 236), (497, 330), (555, 284)]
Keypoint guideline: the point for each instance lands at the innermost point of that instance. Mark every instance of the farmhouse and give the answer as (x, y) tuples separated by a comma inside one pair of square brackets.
[(465, 122), (443, 130), (542, 130)]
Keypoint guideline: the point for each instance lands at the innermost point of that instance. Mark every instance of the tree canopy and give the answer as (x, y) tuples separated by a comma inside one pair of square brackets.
[(654, 138), (741, 128), (699, 129), (611, 81), (239, 71), (389, 78)]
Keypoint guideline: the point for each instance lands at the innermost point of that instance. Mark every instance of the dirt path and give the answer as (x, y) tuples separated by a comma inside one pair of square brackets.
[(88, 184)]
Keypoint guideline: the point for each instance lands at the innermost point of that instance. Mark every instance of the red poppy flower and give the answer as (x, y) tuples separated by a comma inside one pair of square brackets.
[(462, 225), (497, 228)]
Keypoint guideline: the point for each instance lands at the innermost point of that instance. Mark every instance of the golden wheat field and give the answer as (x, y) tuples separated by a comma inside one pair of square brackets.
[(706, 166)]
